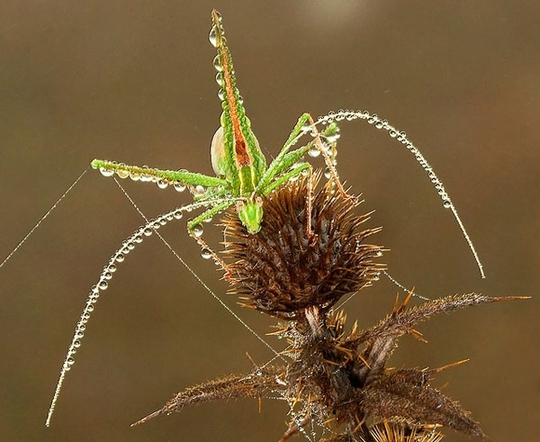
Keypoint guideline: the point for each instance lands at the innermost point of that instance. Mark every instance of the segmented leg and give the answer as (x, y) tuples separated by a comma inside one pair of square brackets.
[(195, 230), (102, 284), (328, 160)]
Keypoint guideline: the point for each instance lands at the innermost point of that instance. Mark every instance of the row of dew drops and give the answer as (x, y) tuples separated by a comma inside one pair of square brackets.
[(106, 275), (328, 143)]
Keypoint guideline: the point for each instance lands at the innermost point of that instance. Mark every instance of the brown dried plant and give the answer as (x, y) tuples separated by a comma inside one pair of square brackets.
[(310, 252)]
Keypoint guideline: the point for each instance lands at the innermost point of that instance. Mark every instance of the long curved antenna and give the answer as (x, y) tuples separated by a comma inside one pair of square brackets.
[(102, 284), (106, 275), (401, 136)]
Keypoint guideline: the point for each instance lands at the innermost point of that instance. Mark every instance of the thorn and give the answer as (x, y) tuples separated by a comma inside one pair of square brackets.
[(451, 365), (146, 418)]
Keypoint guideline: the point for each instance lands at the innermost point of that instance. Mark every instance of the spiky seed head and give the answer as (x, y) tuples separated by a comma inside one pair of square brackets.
[(284, 268)]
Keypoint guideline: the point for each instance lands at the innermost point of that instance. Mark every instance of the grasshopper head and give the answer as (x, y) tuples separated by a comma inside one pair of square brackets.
[(250, 213)]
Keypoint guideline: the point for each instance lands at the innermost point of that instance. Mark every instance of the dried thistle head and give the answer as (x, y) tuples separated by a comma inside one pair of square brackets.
[(301, 258), (310, 252)]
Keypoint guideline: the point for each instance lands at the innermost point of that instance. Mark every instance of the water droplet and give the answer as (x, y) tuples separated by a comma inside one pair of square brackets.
[(340, 116), (179, 187), (106, 172), (197, 230), (122, 174), (447, 203), (306, 128), (112, 268), (119, 257), (135, 176), (103, 284), (314, 151), (162, 184), (107, 275), (199, 191), (327, 173), (213, 36), (125, 250), (331, 116), (217, 63), (206, 253), (333, 137), (138, 238), (77, 344), (178, 214), (219, 79)]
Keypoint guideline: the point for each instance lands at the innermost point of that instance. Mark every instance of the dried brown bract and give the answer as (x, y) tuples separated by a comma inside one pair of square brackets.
[(310, 252)]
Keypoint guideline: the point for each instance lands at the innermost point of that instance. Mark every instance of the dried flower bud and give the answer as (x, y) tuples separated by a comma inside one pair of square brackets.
[(301, 257)]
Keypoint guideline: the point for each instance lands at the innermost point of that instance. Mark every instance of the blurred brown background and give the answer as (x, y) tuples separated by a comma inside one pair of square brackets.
[(133, 81)]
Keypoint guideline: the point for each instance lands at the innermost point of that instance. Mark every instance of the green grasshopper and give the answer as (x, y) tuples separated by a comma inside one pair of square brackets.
[(242, 178)]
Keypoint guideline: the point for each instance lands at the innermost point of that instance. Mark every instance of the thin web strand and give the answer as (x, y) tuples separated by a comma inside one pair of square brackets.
[(43, 218)]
